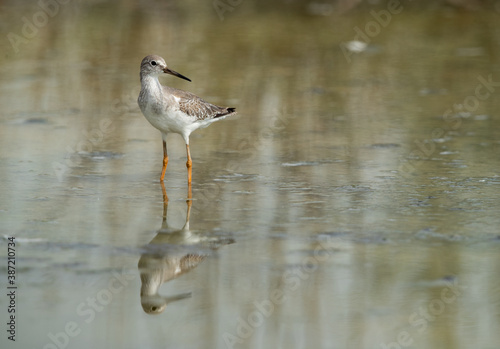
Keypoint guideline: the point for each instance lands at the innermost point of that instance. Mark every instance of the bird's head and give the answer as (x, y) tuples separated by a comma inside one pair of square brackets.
[(156, 304), (156, 65)]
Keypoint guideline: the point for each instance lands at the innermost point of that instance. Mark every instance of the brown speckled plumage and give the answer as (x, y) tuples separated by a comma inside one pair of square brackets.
[(193, 105)]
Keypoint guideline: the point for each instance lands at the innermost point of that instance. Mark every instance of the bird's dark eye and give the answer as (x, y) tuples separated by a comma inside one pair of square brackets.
[(153, 63)]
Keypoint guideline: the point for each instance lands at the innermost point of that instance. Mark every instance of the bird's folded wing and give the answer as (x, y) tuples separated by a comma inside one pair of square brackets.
[(194, 106), (201, 109)]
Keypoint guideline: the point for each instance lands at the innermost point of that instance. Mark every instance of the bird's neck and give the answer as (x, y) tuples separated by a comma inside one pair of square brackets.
[(151, 283), (150, 84)]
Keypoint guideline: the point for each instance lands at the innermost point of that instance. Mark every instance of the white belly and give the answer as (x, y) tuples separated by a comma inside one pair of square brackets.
[(175, 121), (169, 121)]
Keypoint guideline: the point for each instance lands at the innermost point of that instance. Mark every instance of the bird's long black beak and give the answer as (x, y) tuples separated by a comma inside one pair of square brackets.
[(174, 73)]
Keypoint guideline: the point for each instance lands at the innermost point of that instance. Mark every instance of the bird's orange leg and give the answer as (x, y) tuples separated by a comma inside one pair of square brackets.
[(189, 164), (165, 161)]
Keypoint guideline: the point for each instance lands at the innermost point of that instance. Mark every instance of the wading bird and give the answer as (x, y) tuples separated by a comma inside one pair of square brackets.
[(171, 110)]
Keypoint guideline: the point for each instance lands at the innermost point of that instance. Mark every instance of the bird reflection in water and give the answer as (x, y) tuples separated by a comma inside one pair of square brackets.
[(171, 253)]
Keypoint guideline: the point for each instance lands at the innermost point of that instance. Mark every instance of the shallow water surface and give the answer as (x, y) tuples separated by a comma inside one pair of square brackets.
[(352, 203)]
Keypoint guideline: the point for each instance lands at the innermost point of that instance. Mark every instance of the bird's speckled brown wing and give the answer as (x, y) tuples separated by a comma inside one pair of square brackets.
[(190, 261), (195, 106)]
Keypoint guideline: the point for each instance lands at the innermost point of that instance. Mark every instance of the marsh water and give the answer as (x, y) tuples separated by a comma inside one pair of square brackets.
[(353, 202)]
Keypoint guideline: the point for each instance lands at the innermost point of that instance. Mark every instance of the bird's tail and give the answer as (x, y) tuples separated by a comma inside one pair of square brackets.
[(226, 112)]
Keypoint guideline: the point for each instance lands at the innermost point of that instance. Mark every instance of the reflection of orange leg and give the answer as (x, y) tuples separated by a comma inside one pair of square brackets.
[(165, 161), (165, 197), (189, 200), (189, 164), (190, 192), (189, 203), (165, 202)]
